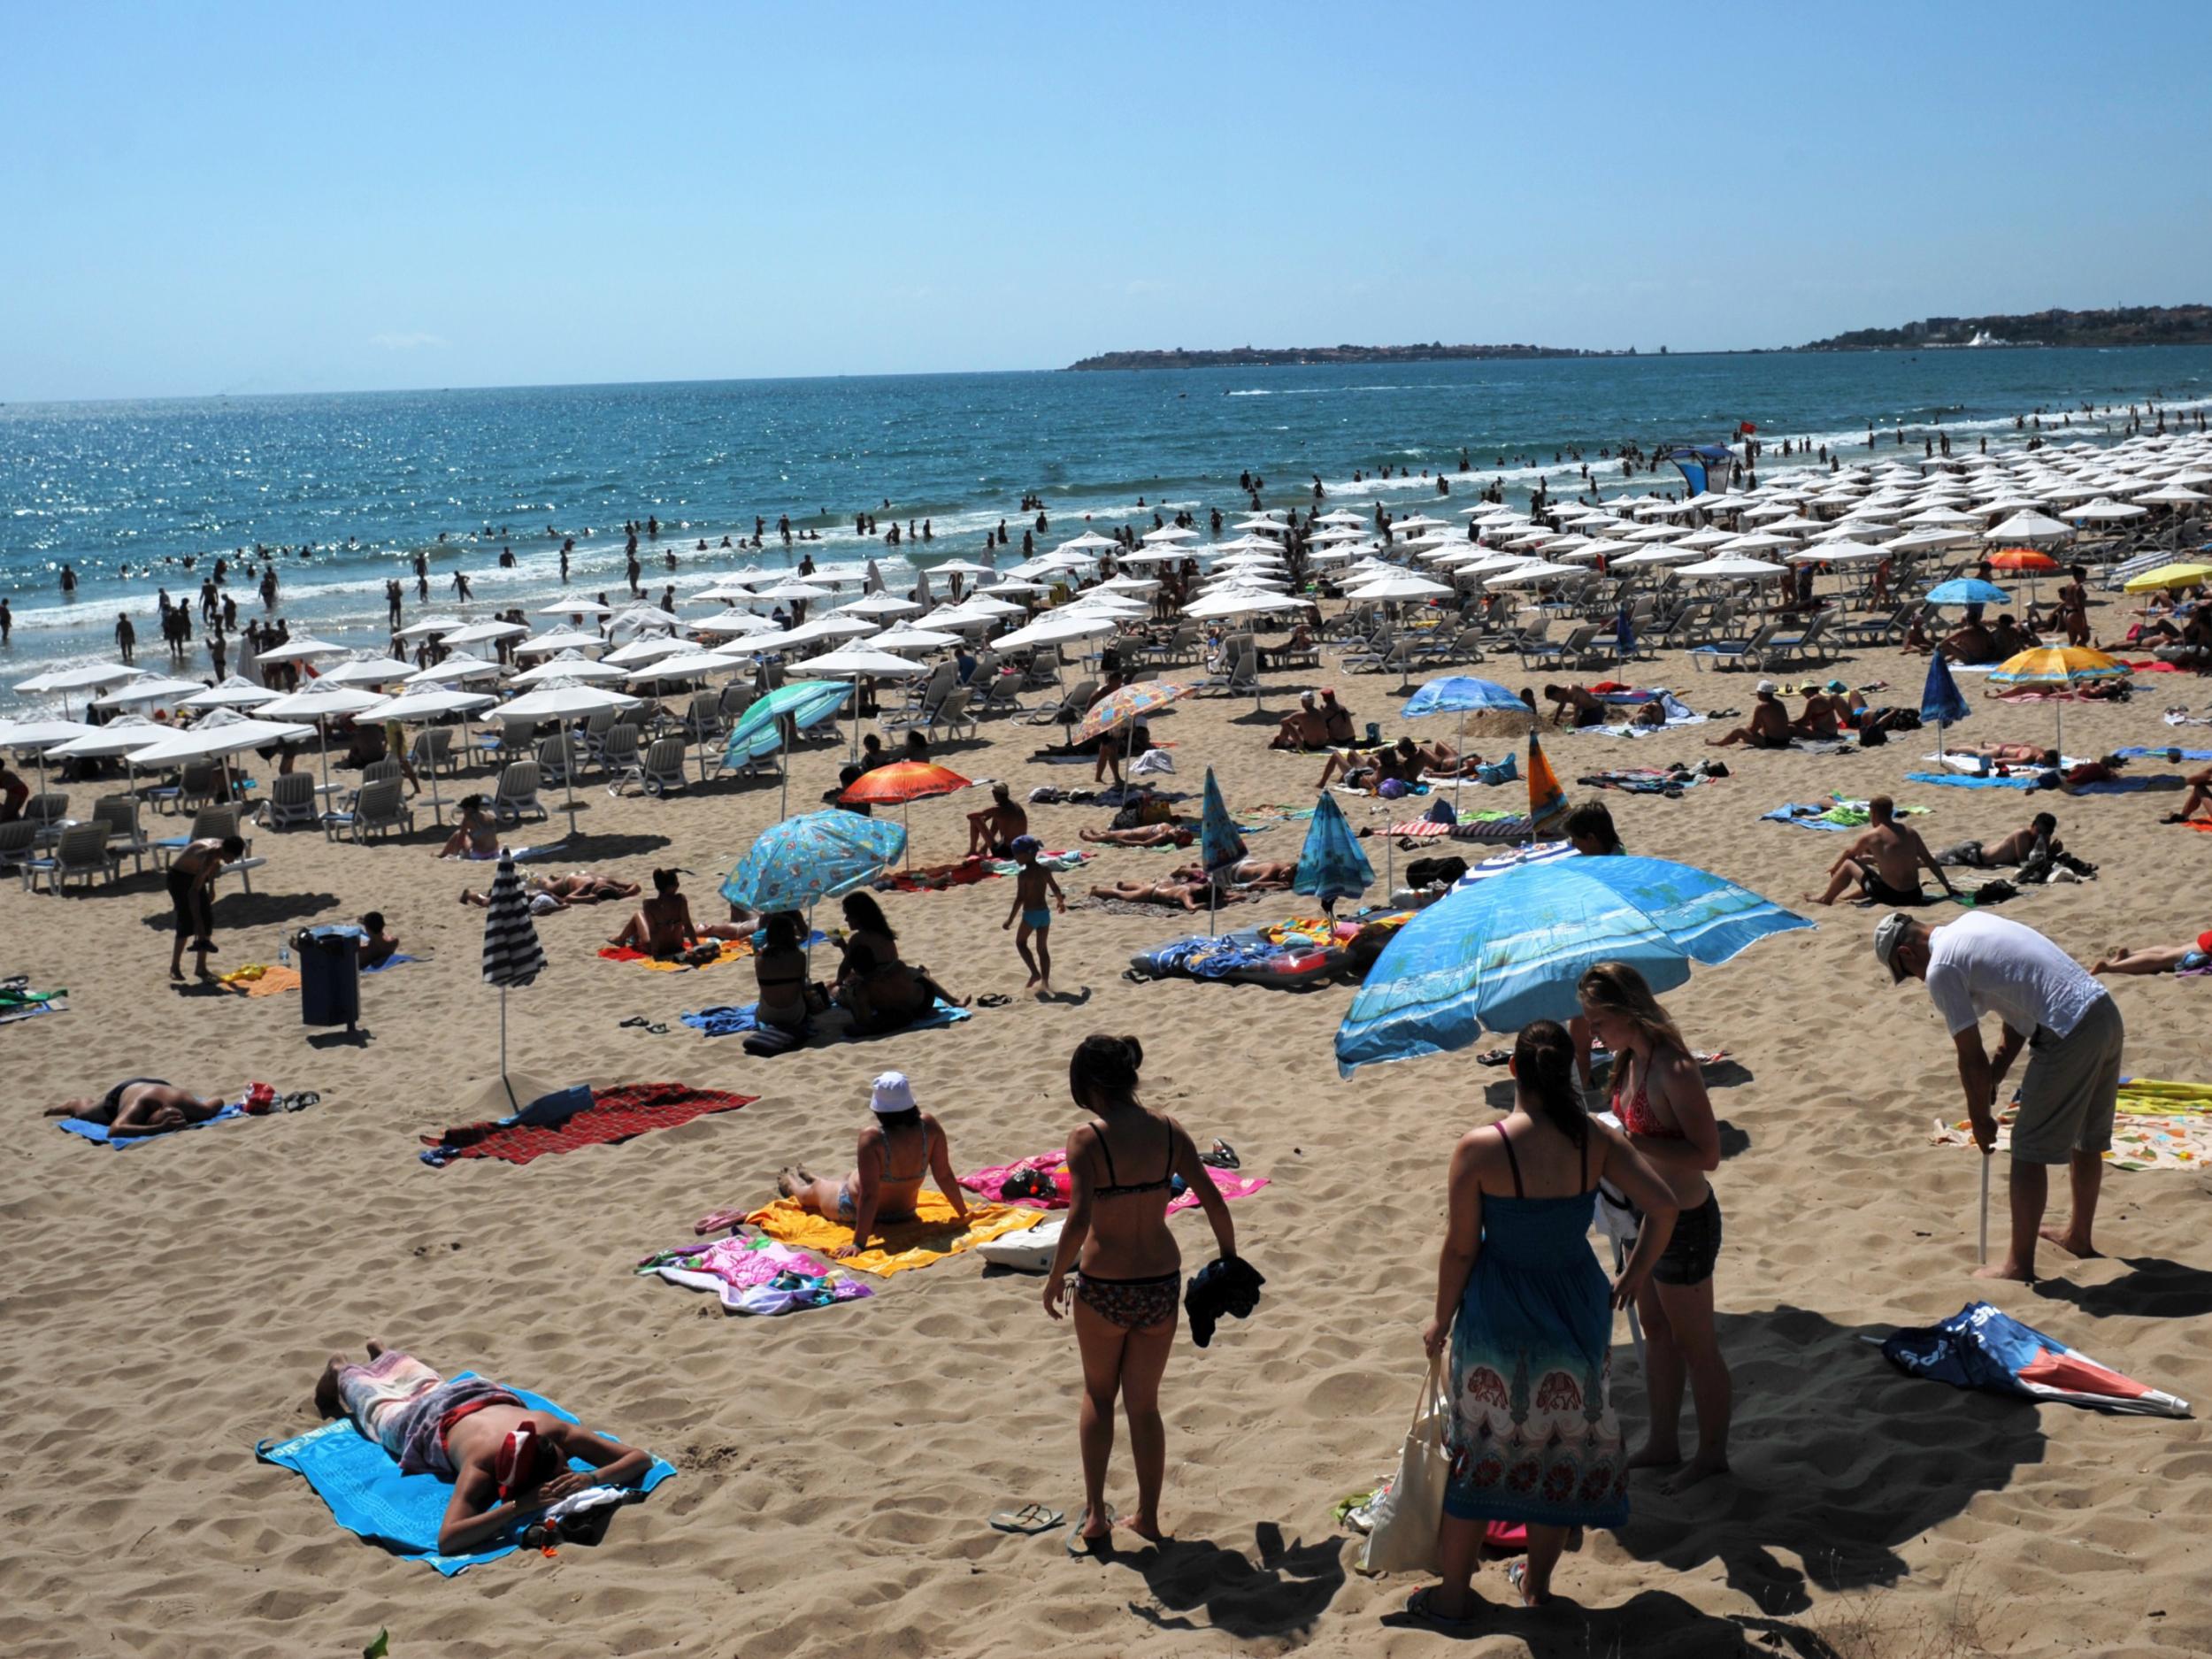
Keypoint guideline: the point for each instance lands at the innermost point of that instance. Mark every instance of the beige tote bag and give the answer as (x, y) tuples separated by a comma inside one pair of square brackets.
[(1407, 1517)]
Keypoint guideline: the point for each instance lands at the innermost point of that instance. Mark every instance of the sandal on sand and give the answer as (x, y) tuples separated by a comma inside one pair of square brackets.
[(635, 1019), (993, 999), (1085, 1548), (1418, 1605), (1029, 1519), (1492, 1056), (1223, 1156)]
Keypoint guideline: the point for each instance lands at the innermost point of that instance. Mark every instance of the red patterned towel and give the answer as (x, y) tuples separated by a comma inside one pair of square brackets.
[(615, 1114)]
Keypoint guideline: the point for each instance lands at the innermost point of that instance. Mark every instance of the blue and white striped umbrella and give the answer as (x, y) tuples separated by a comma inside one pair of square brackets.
[(1505, 952)]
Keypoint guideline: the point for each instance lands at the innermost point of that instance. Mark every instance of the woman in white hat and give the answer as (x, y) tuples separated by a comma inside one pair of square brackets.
[(902, 1146)]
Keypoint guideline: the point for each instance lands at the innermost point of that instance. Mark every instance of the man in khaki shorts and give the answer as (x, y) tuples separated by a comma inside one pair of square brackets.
[(1982, 964)]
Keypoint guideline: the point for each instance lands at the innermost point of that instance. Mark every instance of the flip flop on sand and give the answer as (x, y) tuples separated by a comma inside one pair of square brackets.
[(993, 999), (1083, 1549), (1418, 1605), (718, 1221), (1029, 1519)]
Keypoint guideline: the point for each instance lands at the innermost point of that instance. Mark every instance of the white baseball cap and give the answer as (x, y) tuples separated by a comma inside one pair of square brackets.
[(1764, 687), (1889, 933), (892, 1094)]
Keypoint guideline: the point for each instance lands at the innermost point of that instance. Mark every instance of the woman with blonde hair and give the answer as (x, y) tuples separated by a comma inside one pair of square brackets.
[(1659, 1096)]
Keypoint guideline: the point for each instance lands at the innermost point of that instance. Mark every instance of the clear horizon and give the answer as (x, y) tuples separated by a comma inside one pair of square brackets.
[(249, 200)]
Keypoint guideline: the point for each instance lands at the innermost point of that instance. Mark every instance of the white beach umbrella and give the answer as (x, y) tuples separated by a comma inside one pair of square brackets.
[(2027, 529), (1403, 585), (1056, 628), (645, 649), (681, 665), (299, 652), (430, 628), (562, 640), (147, 689), (2104, 510), (564, 700), (880, 604), (739, 623), (222, 732), (573, 667), (483, 634), (35, 737), (639, 617), (1734, 567), (1170, 533), (1531, 575), (913, 639), (234, 691), (85, 677), (576, 608), (319, 705), (960, 568), (367, 671), (453, 671), (2173, 495), (1086, 542)]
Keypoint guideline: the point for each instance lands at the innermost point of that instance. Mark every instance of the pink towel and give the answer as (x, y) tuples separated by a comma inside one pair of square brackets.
[(990, 1182)]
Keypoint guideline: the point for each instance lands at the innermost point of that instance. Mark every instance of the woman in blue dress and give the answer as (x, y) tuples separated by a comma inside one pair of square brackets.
[(1520, 1297)]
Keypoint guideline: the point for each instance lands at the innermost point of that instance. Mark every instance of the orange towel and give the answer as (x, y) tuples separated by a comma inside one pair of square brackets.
[(257, 979), (936, 1234), (732, 949)]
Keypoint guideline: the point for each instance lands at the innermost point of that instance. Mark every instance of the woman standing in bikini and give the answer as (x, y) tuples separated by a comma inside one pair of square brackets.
[(1659, 1096), (1129, 1288)]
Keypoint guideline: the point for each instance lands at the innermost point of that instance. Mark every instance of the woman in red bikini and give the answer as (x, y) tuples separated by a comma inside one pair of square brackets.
[(1659, 1096), (1129, 1289)]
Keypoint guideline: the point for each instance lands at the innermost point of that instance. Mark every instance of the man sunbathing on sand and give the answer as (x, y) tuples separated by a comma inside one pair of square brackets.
[(2011, 753), (1886, 862), (2192, 958), (1259, 874), (2037, 839), (142, 1106), (506, 1461), (901, 1146), (1768, 726), (1144, 835)]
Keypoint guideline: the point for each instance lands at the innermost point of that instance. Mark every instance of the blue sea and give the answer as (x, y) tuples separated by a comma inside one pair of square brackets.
[(123, 492)]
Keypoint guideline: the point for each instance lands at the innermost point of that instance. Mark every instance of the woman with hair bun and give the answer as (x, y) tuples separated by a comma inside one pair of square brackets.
[(1128, 1286), (1520, 1298)]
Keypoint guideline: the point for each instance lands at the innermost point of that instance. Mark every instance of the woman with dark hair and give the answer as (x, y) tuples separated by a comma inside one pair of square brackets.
[(782, 1016), (662, 927), (879, 991), (1526, 1310), (1659, 1096), (1128, 1289), (1590, 830)]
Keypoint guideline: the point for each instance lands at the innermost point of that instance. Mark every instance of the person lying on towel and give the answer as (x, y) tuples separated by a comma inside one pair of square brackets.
[(1186, 894), (506, 1461), (901, 1146), (140, 1106), (2191, 957), (1144, 835), (2038, 839)]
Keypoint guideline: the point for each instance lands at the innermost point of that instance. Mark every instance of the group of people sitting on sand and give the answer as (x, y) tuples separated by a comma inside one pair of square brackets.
[(1318, 724), (1829, 710)]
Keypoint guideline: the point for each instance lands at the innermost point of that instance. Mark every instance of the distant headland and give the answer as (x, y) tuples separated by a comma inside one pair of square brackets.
[(1291, 357), (2123, 326)]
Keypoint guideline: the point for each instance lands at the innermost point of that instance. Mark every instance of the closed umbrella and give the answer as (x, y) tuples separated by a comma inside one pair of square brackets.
[(1220, 847), (1940, 702), (512, 955), (1331, 865), (1507, 951)]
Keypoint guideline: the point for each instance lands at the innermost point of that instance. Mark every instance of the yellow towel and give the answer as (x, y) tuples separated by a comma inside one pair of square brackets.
[(936, 1234), (260, 978), (732, 949)]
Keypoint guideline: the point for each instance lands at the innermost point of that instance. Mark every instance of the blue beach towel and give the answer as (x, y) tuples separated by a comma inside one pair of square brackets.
[(392, 961), (737, 1020), (98, 1131), (2028, 780), (2164, 754), (1803, 816), (368, 1495)]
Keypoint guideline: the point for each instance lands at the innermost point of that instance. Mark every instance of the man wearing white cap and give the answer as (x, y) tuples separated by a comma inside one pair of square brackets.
[(1768, 726), (903, 1145), (1982, 964)]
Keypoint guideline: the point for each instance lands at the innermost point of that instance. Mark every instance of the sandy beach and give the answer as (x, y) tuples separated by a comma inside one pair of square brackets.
[(168, 1308)]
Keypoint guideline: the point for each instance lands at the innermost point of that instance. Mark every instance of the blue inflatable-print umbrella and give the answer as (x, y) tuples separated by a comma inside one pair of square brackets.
[(1331, 865), (759, 732), (1941, 705), (795, 864), (1967, 590), (1505, 952), (1980, 1347)]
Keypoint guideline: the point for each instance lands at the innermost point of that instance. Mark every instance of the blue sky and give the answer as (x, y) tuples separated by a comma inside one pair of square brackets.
[(230, 198)]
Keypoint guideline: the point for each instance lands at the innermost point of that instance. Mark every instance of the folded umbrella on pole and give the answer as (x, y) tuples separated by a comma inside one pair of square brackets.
[(512, 955), (1941, 703), (1219, 846), (1331, 865)]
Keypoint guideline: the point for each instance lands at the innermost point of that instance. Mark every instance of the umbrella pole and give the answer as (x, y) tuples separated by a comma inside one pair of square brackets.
[(568, 782), (437, 802), (2058, 714), (1985, 1242), (906, 828), (1459, 766), (322, 730)]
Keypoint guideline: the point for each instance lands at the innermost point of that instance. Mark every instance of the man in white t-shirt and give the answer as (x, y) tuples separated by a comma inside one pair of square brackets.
[(1982, 964)]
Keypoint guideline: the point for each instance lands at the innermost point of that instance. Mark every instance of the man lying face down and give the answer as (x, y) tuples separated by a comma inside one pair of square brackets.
[(506, 1461)]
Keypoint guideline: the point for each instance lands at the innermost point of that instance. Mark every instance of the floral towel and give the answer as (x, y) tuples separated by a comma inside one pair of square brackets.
[(992, 1182), (2160, 1126), (754, 1275)]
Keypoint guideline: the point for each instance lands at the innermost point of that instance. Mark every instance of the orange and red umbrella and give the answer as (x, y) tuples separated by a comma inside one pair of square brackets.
[(2023, 558), (901, 781)]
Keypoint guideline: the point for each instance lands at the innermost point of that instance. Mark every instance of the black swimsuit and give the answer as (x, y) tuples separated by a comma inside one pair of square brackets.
[(1133, 1304)]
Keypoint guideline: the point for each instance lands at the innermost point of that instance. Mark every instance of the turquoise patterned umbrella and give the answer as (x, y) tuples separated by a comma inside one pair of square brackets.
[(795, 864), (759, 732), (1505, 952), (1330, 866)]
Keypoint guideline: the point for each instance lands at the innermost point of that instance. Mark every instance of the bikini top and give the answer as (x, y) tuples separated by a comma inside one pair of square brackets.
[(1115, 1190), (1514, 1162), (1636, 1115), (917, 1174)]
